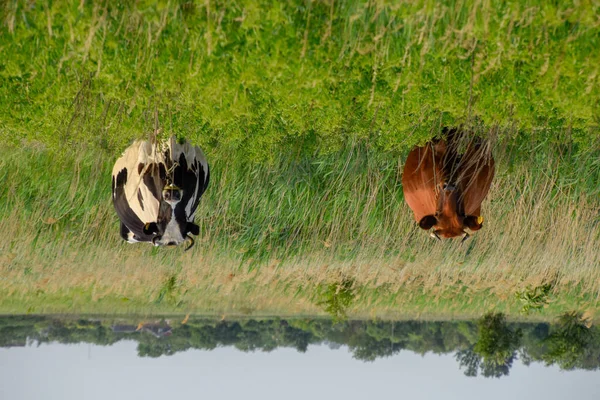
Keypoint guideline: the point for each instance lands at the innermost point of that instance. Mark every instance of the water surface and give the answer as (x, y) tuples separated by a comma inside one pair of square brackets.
[(303, 357), (62, 371)]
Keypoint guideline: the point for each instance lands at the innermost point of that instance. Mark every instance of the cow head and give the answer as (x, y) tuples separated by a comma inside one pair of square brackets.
[(172, 227), (450, 219)]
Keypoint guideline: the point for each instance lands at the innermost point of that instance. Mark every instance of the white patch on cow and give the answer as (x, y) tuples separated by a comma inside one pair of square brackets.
[(172, 232), (131, 238), (145, 153)]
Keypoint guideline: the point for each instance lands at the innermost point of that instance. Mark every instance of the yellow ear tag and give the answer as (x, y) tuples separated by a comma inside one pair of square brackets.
[(147, 226), (479, 220)]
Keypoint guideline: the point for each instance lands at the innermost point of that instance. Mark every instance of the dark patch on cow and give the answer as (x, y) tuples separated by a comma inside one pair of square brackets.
[(427, 222), (122, 177), (185, 178), (151, 228), (124, 232), (129, 219), (192, 228), (140, 198), (153, 181)]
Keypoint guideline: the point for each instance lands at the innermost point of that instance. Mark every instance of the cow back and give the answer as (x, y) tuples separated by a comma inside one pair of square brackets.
[(477, 172), (421, 177)]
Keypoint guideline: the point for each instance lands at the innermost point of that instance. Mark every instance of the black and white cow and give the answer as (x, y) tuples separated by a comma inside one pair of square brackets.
[(156, 188)]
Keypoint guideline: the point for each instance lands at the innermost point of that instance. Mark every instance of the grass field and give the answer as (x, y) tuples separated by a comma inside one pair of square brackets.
[(306, 111)]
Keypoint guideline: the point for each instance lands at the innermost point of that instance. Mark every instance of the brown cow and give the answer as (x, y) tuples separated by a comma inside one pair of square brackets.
[(445, 189)]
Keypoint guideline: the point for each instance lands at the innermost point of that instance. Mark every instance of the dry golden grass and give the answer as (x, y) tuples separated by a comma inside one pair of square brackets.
[(530, 237)]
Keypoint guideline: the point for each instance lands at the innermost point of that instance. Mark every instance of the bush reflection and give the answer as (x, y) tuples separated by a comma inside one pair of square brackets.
[(487, 347)]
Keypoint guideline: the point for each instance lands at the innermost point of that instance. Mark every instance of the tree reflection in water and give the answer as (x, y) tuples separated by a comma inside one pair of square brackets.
[(570, 342), (487, 347), (495, 349)]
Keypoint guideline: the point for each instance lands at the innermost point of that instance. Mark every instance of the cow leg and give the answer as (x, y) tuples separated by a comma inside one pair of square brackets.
[(127, 235)]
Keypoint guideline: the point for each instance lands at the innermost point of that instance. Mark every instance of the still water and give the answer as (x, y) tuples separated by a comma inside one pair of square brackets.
[(88, 371)]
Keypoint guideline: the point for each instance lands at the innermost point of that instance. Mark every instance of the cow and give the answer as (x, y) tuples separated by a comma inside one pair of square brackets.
[(156, 187), (445, 188)]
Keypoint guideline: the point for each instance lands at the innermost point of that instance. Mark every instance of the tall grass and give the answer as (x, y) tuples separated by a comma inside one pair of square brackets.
[(281, 231)]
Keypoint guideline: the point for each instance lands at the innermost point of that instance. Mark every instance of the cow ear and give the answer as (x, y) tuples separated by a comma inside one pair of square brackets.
[(473, 223), (150, 228), (427, 222), (193, 229)]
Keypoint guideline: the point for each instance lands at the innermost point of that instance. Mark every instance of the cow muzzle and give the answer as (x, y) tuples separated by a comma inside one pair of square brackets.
[(189, 242), (158, 241), (171, 194)]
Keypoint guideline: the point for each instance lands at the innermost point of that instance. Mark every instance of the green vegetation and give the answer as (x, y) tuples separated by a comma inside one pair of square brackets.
[(306, 110), (255, 77), (489, 345), (534, 298), (336, 298)]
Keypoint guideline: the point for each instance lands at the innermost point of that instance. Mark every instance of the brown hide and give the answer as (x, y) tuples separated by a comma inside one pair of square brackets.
[(436, 164)]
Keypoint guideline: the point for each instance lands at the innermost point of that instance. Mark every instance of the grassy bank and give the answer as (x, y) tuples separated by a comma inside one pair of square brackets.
[(272, 236), (306, 112)]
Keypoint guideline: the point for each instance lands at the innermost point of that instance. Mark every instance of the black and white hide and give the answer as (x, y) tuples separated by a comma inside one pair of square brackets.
[(156, 188)]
